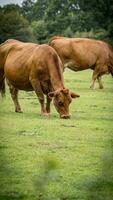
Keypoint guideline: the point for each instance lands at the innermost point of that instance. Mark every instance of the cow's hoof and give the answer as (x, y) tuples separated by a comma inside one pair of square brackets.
[(18, 111), (91, 87), (45, 114), (65, 116), (101, 87)]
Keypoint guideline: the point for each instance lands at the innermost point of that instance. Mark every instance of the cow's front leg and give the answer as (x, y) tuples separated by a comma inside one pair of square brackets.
[(38, 90), (48, 101)]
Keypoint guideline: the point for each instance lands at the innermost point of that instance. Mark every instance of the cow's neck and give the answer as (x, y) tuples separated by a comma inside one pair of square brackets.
[(57, 80), (57, 86)]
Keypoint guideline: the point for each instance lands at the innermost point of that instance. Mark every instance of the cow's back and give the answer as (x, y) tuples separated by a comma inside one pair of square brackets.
[(82, 52), (16, 57), (88, 52), (62, 46), (15, 51)]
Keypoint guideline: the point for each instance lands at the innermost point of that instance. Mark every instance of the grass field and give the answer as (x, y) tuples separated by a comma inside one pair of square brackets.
[(57, 159)]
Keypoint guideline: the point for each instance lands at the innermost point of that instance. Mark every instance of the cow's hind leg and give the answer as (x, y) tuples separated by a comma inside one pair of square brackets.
[(94, 77), (100, 82), (14, 95), (99, 70)]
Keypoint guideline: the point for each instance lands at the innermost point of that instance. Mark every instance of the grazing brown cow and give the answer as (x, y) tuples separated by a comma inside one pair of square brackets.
[(28, 66), (82, 53)]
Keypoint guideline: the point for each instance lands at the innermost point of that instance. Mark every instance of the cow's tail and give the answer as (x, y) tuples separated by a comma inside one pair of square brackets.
[(2, 74), (2, 83), (111, 60)]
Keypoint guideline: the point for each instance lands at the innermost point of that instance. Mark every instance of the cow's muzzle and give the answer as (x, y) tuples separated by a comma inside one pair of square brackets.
[(65, 116)]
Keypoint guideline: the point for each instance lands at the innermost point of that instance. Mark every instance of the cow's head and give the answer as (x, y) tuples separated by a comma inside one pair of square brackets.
[(62, 99)]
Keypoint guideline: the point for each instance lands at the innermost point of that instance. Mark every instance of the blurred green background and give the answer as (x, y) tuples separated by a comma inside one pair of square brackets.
[(38, 20)]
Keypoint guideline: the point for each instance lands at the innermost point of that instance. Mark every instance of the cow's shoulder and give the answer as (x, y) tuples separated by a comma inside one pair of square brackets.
[(54, 38)]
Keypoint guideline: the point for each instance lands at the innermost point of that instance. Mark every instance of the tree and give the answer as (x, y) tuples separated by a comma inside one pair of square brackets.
[(27, 9), (40, 30), (102, 14), (40, 9), (11, 7), (14, 25), (62, 17)]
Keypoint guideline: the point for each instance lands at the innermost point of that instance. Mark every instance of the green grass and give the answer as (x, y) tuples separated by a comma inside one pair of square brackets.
[(55, 159)]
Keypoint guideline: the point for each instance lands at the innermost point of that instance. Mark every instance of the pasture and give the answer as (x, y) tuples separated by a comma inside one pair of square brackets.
[(58, 159)]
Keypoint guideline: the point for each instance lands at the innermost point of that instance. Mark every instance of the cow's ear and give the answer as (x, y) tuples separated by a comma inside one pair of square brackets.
[(74, 95), (51, 94)]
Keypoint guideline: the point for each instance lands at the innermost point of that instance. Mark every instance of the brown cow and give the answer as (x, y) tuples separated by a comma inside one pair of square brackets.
[(82, 53), (28, 66)]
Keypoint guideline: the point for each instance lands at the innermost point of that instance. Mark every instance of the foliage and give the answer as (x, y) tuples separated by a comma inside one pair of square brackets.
[(60, 17), (97, 34), (14, 25), (102, 12), (27, 7), (40, 30)]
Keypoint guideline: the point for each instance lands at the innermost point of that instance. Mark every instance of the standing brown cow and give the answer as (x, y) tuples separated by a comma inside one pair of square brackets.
[(82, 53), (28, 66)]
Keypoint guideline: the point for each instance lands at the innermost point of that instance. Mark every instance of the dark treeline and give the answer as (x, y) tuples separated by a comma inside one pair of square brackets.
[(38, 20)]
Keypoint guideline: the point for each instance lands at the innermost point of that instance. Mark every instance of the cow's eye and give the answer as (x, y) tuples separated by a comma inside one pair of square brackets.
[(60, 103)]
